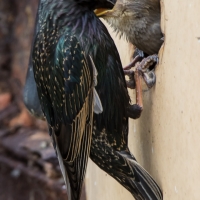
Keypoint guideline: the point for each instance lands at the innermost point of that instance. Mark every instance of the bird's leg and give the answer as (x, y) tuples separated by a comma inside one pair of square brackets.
[(133, 62), (138, 87), (143, 70), (137, 57), (145, 67), (127, 71), (134, 111)]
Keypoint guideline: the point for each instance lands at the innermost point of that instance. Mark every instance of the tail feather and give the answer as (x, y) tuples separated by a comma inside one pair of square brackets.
[(123, 167), (144, 183), (62, 168)]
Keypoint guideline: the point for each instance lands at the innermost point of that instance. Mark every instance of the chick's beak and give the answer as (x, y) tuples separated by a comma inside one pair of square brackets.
[(100, 12)]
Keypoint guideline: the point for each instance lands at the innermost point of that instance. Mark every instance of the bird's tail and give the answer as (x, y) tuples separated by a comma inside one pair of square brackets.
[(62, 166), (123, 167), (145, 188)]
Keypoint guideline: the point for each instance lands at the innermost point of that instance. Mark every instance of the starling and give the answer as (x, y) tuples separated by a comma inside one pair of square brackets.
[(77, 70)]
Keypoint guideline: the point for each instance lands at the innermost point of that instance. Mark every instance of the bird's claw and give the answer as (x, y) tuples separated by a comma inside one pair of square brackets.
[(131, 82), (134, 111), (150, 78), (147, 63), (136, 59), (146, 67)]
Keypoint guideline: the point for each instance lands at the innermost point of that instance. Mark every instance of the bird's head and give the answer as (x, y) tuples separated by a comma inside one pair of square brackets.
[(116, 12), (119, 16)]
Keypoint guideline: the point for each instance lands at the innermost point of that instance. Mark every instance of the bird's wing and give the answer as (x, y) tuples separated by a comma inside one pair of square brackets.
[(64, 77)]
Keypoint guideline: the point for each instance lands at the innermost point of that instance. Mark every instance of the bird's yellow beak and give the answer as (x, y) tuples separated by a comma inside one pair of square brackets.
[(99, 12)]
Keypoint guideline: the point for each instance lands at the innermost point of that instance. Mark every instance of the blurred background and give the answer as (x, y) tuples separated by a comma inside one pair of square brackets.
[(28, 166)]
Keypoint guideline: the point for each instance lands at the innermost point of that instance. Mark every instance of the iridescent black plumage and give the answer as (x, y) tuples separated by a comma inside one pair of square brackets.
[(64, 77), (65, 27)]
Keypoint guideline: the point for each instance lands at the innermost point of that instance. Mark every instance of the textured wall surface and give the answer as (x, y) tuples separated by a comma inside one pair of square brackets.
[(165, 140)]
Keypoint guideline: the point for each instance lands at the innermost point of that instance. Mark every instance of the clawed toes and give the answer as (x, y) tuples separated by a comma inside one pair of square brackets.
[(133, 62), (129, 72), (134, 111), (146, 70), (146, 67), (150, 78), (131, 82), (149, 63)]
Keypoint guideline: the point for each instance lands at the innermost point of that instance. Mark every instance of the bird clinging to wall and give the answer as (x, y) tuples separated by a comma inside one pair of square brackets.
[(139, 22), (69, 46)]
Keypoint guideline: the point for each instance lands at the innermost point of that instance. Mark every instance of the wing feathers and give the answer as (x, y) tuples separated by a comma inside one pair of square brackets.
[(66, 95), (77, 168)]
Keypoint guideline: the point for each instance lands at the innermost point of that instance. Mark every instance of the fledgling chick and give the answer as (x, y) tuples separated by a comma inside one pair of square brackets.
[(139, 21)]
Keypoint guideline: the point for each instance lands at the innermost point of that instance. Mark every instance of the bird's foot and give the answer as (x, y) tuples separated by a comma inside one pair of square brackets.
[(136, 59), (147, 67), (134, 111), (131, 82), (145, 70), (130, 73), (149, 78)]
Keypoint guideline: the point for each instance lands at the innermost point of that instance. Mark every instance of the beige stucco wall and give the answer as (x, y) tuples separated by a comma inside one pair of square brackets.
[(166, 139)]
